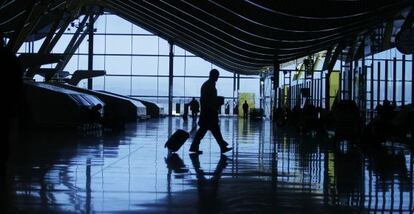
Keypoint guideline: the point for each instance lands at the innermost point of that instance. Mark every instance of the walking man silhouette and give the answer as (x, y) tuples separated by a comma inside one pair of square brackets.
[(209, 115)]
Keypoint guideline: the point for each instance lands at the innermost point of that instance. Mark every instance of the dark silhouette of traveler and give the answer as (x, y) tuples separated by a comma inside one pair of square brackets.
[(185, 115), (236, 109), (12, 90), (207, 188), (382, 126), (245, 109), (96, 116), (387, 111), (227, 108), (195, 108), (209, 115)]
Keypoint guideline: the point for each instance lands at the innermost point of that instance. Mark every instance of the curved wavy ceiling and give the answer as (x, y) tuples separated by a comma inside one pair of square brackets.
[(248, 36)]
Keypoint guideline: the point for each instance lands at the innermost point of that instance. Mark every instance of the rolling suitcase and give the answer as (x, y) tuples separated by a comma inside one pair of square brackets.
[(176, 140)]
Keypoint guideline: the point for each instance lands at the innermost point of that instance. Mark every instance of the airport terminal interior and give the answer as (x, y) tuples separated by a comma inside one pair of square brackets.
[(308, 106)]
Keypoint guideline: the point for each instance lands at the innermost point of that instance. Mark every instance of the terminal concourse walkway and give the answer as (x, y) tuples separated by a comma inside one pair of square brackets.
[(270, 170)]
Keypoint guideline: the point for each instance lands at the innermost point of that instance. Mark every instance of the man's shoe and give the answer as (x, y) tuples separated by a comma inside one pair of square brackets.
[(196, 151), (225, 143), (226, 149)]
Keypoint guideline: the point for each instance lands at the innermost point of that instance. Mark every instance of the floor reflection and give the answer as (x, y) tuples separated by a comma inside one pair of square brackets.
[(270, 169)]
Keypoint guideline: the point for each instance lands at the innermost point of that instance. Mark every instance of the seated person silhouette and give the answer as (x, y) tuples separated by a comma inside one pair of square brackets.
[(207, 188), (209, 115)]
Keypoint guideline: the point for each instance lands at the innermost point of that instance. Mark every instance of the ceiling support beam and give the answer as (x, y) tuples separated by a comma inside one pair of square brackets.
[(90, 48), (75, 42), (328, 57), (170, 78), (386, 39), (47, 44), (360, 52), (351, 50), (408, 20), (332, 60), (28, 26)]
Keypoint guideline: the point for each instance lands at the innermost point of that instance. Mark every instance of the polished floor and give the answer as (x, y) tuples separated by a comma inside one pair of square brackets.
[(270, 170)]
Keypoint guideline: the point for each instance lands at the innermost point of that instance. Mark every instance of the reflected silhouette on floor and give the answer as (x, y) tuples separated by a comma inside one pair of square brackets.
[(270, 169), (207, 188)]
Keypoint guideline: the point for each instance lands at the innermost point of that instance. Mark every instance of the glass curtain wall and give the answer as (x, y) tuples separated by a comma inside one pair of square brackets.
[(137, 64), (383, 76)]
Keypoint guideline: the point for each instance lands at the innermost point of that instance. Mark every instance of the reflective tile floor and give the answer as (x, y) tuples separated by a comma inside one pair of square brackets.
[(270, 170)]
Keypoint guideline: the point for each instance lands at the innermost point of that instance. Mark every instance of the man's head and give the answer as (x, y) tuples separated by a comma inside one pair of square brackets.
[(214, 74)]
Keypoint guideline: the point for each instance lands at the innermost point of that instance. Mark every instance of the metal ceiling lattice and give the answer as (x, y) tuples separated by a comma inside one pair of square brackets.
[(240, 36)]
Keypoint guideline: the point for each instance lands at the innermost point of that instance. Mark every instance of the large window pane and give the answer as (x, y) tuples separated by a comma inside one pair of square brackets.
[(82, 62), (163, 86), (99, 83), (164, 47), (99, 63), (118, 64), (118, 44), (225, 87), (120, 85), (83, 47), (144, 86), (145, 45), (178, 87), (193, 86), (179, 66), (99, 24), (99, 44), (164, 66), (144, 65), (197, 66)]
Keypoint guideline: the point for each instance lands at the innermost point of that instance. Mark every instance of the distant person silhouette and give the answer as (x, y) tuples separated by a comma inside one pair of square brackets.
[(227, 108), (245, 109), (12, 89), (387, 111), (95, 114), (208, 188), (185, 114), (209, 115), (236, 109), (195, 108)]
